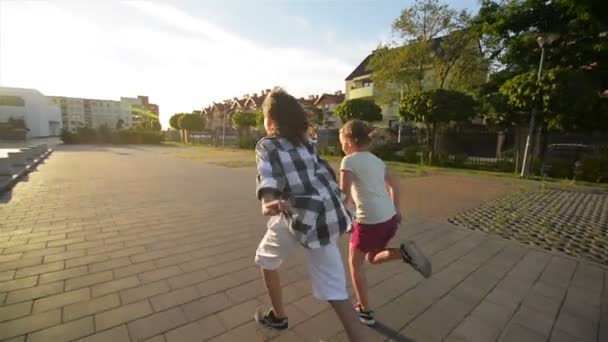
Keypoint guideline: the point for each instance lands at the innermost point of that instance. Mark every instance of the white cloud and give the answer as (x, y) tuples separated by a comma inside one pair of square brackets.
[(182, 62)]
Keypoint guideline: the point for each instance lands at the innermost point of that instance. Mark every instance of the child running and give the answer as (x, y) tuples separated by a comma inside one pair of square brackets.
[(299, 192), (376, 198)]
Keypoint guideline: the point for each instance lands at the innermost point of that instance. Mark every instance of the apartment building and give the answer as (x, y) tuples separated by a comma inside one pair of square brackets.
[(79, 112)]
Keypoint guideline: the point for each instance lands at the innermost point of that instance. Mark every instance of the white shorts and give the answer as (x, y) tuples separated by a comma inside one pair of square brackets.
[(324, 264)]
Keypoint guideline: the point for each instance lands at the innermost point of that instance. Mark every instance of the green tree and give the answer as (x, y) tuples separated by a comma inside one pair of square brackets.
[(259, 119), (120, 123), (243, 121), (437, 50), (317, 116), (361, 109), (576, 64), (145, 118), (190, 122), (174, 120), (436, 108)]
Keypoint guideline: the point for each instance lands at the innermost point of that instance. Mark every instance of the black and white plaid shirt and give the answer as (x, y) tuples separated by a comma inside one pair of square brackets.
[(296, 173)]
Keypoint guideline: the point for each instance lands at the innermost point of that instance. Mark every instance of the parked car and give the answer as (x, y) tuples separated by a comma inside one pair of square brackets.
[(564, 160)]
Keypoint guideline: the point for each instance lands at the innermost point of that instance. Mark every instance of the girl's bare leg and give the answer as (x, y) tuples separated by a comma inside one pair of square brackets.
[(273, 286)]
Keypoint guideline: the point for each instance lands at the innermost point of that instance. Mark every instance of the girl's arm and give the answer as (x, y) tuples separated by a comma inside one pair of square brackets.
[(346, 181), (393, 191)]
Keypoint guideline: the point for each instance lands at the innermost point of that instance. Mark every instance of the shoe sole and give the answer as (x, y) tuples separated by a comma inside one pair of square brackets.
[(420, 262), (258, 317), (367, 321)]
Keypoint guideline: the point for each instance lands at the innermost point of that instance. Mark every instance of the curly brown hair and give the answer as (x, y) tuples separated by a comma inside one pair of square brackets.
[(290, 118), (357, 131)]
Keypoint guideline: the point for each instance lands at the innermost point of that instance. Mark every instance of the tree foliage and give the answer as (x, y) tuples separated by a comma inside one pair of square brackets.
[(437, 50), (436, 108), (361, 109), (259, 119), (575, 68), (192, 122), (174, 120), (243, 120)]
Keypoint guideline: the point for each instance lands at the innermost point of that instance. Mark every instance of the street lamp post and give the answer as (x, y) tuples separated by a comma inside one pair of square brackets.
[(525, 167)]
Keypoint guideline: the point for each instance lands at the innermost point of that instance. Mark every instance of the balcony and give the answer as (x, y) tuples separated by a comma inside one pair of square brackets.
[(363, 92)]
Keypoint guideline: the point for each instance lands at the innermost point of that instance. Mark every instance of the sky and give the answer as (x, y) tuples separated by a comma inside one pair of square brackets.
[(185, 54)]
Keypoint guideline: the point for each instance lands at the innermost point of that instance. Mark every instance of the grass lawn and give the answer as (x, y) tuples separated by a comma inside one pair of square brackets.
[(233, 157)]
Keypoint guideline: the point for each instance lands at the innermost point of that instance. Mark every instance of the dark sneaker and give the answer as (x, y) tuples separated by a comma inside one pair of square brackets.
[(365, 316), (413, 256), (269, 320)]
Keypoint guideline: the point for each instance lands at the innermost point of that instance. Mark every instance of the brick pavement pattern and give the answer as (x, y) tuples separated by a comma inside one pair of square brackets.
[(132, 244)]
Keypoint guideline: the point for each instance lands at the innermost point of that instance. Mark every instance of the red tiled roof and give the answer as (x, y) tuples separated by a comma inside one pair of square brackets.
[(330, 99)]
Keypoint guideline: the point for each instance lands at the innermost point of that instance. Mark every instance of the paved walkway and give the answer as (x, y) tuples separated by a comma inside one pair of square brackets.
[(132, 244)]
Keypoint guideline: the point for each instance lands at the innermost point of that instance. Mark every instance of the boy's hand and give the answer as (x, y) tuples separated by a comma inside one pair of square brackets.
[(274, 207)]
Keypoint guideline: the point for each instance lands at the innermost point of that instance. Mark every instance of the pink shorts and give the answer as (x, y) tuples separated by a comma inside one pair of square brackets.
[(373, 237)]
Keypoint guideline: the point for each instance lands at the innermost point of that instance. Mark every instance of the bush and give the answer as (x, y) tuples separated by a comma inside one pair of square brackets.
[(386, 151), (68, 137), (410, 154), (503, 165), (246, 142), (561, 169), (594, 169), (460, 160), (442, 159), (104, 135)]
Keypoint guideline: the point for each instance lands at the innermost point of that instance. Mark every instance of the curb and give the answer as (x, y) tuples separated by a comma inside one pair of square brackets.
[(7, 185)]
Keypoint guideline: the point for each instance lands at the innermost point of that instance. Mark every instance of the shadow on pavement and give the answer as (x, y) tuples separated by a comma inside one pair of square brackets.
[(390, 333)]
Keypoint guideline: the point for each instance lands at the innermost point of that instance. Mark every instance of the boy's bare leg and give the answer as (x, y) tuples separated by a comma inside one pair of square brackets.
[(385, 255), (275, 292), (357, 274), (352, 327)]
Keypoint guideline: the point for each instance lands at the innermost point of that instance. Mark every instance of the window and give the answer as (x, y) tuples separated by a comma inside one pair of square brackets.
[(13, 101), (368, 83)]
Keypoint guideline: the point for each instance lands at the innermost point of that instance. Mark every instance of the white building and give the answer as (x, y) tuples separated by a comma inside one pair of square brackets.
[(42, 118), (78, 112)]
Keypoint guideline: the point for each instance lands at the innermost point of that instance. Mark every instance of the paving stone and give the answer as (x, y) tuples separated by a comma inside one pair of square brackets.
[(162, 273), (134, 269), (33, 270), (537, 321), (15, 311), (118, 334), (518, 333), (62, 299), (64, 332), (449, 310), (34, 292), (30, 323), (206, 306), (11, 265), (248, 332), (63, 274), (114, 286), (146, 291), (474, 329), (85, 308), (174, 298), (322, 326), (20, 283), (239, 314), (576, 326), (109, 264), (88, 280), (245, 291), (122, 314), (310, 305), (157, 323), (64, 256)]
